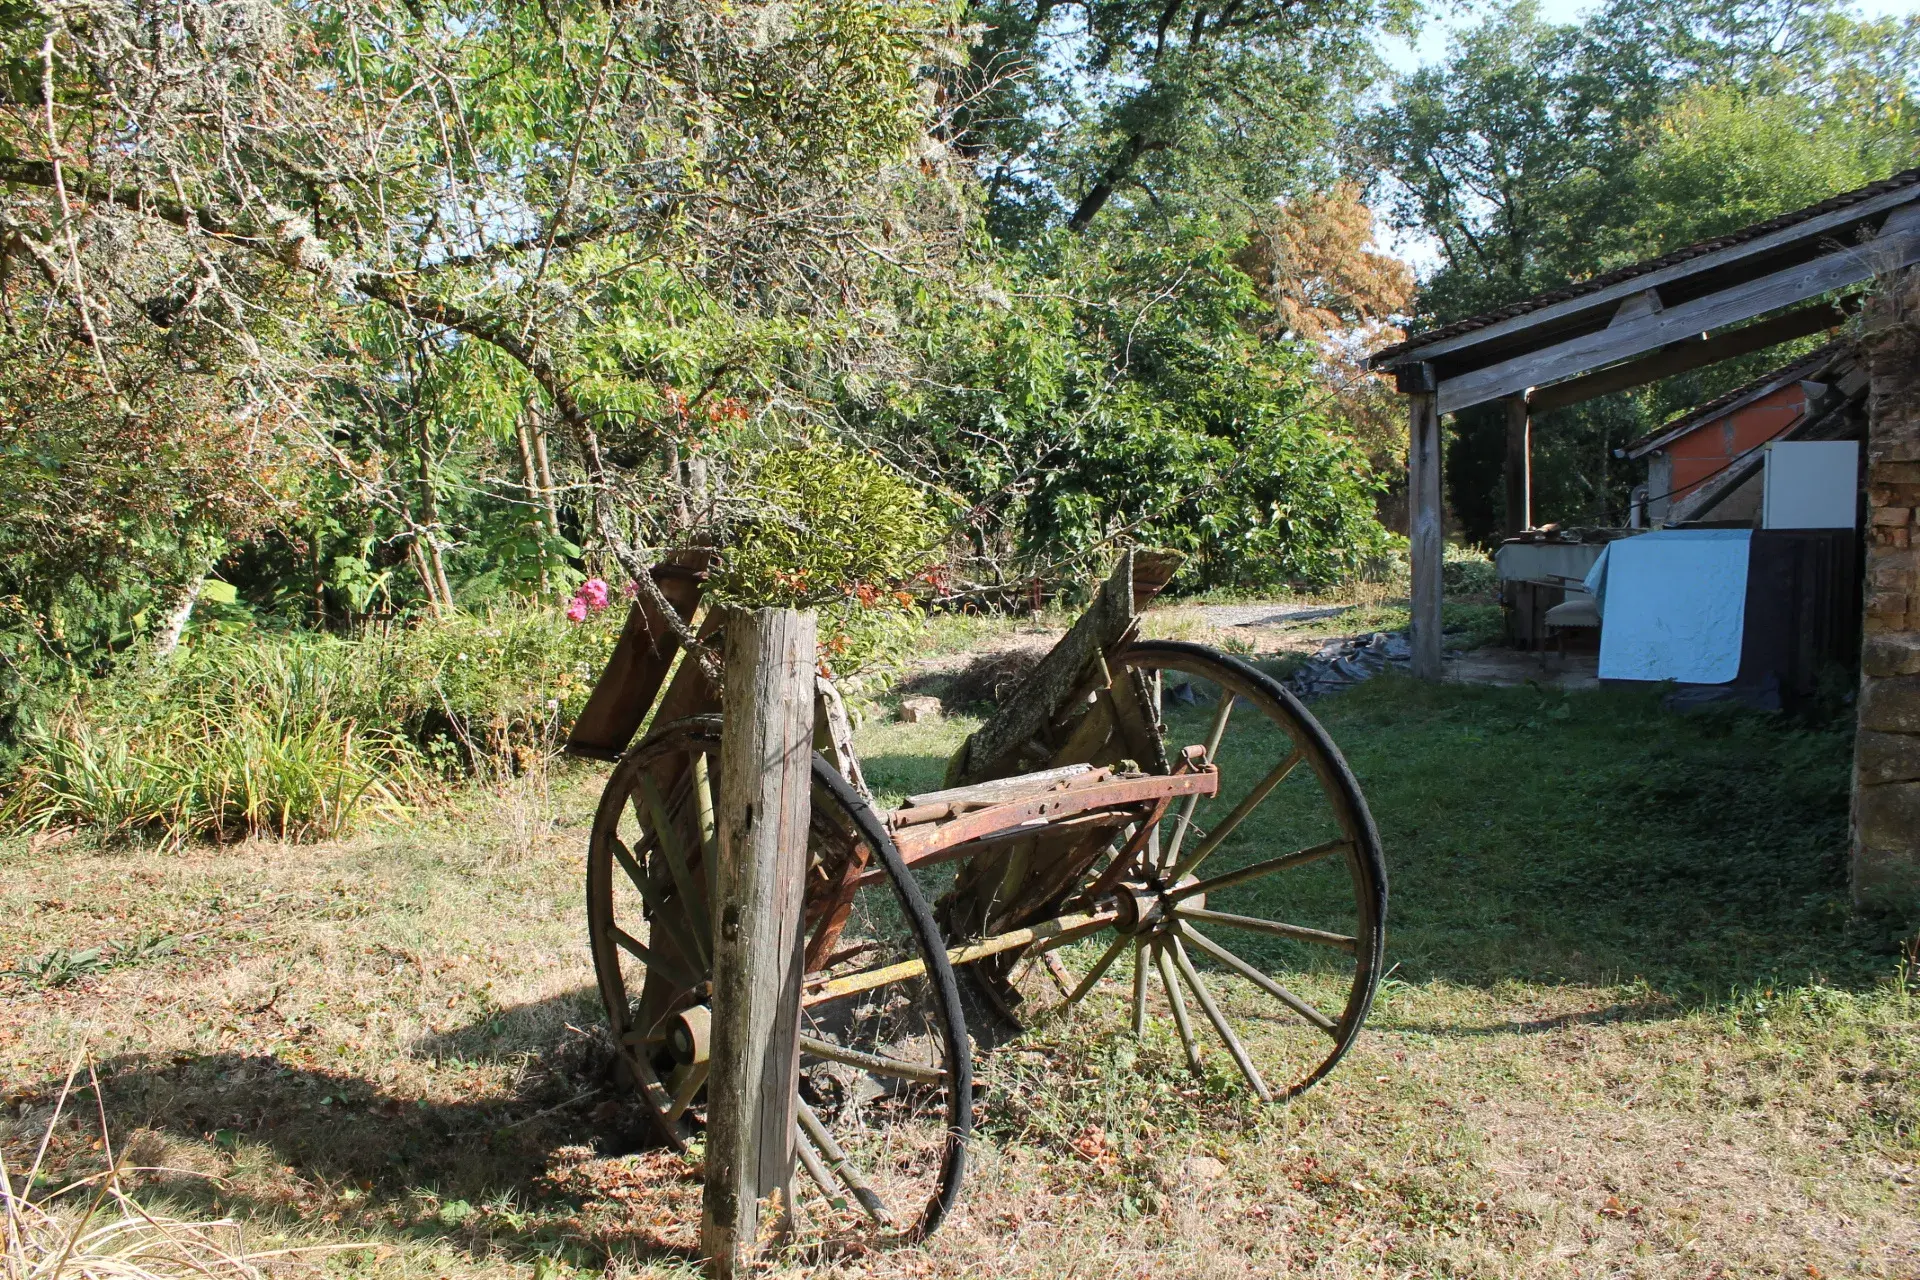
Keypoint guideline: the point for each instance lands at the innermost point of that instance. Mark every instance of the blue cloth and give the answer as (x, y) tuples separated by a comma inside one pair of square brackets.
[(1673, 605)]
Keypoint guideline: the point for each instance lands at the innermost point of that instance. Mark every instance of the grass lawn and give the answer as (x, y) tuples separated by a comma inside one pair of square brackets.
[(1630, 1029)]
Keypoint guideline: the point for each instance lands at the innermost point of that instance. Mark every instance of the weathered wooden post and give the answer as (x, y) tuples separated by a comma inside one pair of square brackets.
[(765, 794), (1426, 542)]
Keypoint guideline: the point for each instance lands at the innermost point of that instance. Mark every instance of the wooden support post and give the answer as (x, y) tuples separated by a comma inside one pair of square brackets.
[(766, 771), (1519, 466), (1425, 543)]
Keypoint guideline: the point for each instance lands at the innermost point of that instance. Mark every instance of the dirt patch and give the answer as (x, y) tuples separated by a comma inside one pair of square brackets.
[(980, 679)]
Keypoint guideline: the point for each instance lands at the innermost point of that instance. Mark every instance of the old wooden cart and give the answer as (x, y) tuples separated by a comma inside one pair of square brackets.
[(1151, 800)]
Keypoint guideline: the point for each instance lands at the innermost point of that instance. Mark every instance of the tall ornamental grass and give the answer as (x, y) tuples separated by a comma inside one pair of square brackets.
[(297, 735)]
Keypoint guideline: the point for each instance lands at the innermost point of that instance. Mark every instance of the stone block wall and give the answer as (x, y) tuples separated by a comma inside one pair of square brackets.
[(1886, 779)]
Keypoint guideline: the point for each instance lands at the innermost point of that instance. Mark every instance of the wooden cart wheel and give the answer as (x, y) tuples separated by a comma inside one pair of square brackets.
[(885, 1096), (1254, 919)]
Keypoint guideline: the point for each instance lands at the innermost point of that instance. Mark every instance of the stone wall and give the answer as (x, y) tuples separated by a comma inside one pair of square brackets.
[(1886, 793)]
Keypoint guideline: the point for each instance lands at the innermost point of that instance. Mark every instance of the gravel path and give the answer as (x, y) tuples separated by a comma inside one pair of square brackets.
[(1267, 615)]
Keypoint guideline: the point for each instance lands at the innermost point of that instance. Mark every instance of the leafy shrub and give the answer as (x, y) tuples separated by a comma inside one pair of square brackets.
[(831, 528), (1468, 572), (295, 735)]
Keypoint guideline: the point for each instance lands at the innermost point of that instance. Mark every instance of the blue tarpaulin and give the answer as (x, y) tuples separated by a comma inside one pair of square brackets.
[(1673, 605)]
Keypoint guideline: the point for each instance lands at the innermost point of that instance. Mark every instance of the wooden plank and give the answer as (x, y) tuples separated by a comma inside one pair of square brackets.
[(1694, 353), (1814, 230), (766, 767), (993, 750), (1424, 543), (1657, 329), (639, 662), (1519, 466)]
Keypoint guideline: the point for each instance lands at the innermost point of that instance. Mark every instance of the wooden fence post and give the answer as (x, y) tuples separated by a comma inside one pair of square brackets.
[(766, 756), (1426, 545)]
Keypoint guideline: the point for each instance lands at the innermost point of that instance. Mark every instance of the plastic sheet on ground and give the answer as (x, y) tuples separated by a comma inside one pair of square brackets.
[(1342, 663)]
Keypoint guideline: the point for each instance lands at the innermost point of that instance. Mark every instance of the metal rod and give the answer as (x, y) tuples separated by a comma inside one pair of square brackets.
[(874, 1062), (1100, 967), (803, 1147), (1050, 933), (1180, 1020), (1257, 978), (662, 917), (843, 1168), (679, 868), (1228, 879), (1255, 925), (1248, 803), (1219, 1021), (696, 1076), (1139, 988), (1214, 735)]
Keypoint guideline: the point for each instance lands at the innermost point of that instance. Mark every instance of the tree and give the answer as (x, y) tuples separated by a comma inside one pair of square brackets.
[(557, 184), (1183, 103)]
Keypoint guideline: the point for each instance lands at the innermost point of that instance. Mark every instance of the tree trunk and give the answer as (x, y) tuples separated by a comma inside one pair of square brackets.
[(179, 610), (1110, 180), (545, 472), (426, 537), (530, 477)]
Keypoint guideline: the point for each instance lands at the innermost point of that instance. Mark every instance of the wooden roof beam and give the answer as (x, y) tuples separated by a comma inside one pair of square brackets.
[(1693, 354), (1838, 221), (1897, 246)]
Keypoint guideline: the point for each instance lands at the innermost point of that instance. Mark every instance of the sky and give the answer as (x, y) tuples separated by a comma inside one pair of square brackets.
[(1431, 45)]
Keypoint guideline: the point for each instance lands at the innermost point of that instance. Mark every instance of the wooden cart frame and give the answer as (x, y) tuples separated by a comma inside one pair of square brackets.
[(1075, 813)]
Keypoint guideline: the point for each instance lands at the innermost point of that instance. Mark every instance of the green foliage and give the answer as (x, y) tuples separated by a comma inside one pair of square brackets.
[(1141, 409), (1147, 109), (297, 735), (825, 526)]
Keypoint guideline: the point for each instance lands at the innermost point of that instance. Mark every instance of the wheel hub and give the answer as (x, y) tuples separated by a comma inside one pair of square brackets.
[(1143, 908)]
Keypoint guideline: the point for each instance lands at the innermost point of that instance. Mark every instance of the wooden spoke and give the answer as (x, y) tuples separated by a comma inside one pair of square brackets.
[(683, 1097), (651, 958), (1192, 802), (709, 825), (1179, 1004), (1274, 927), (1139, 988), (1100, 967), (1248, 803), (658, 911), (1212, 1010), (1051, 933), (677, 865), (1258, 978), (842, 1167), (1271, 866), (876, 1063), (810, 1161), (1058, 972)]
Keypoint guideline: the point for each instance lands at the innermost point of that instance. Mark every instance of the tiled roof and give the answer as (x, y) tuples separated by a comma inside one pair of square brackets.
[(1807, 365), (1910, 177)]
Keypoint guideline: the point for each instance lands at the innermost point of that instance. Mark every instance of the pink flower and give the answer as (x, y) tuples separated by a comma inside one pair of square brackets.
[(631, 590), (594, 592), (576, 610)]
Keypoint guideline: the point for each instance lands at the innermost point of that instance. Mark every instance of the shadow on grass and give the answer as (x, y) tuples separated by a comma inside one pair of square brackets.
[(526, 1174), (1592, 838), (1653, 1010)]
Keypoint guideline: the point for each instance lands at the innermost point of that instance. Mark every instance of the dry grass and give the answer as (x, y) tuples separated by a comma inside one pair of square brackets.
[(394, 1040), (92, 1229)]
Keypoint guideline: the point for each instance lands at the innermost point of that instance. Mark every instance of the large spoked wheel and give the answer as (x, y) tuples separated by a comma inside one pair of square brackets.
[(884, 1106), (1254, 919)]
